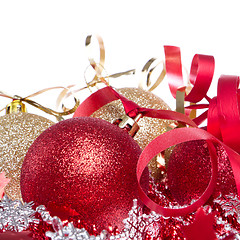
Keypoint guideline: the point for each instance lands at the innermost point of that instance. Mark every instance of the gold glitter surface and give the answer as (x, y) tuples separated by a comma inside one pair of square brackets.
[(17, 133), (150, 128)]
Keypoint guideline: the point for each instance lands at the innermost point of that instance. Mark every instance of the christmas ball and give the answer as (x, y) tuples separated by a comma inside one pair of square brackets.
[(189, 171), (84, 164), (17, 132), (150, 128)]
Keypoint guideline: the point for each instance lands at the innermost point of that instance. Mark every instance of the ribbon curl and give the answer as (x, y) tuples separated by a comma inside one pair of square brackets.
[(201, 73), (58, 115), (223, 120), (223, 116)]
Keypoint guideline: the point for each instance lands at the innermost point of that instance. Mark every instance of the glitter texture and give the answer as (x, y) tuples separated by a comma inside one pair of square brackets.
[(150, 128), (139, 225), (189, 171), (17, 133), (85, 164)]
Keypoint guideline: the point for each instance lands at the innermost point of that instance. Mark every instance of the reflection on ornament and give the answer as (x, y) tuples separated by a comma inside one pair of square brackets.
[(150, 128), (87, 165), (189, 171), (17, 133)]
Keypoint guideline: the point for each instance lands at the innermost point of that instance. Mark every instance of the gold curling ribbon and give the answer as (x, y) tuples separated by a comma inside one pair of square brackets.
[(145, 81), (193, 113), (180, 99), (180, 96), (92, 62), (98, 67), (101, 49), (58, 115)]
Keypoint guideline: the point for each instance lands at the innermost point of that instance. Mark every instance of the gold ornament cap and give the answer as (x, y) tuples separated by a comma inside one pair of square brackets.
[(15, 106), (128, 124)]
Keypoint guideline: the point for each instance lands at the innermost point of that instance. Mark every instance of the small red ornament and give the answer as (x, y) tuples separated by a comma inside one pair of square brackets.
[(85, 164), (189, 172)]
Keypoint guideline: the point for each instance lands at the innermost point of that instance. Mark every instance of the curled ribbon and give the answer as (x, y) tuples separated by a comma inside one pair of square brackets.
[(223, 121), (98, 67), (145, 82), (108, 94), (58, 115), (223, 124), (161, 143), (201, 73)]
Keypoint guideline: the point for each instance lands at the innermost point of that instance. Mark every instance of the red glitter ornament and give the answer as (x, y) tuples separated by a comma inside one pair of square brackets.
[(189, 172), (85, 164)]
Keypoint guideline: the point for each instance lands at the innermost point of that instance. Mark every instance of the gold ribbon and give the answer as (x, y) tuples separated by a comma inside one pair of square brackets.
[(99, 67), (145, 81), (58, 115)]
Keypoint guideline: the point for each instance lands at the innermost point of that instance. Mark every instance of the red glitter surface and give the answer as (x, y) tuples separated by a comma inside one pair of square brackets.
[(189, 171), (86, 164)]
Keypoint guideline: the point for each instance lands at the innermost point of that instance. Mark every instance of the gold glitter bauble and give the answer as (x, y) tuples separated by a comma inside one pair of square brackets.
[(150, 128), (17, 132)]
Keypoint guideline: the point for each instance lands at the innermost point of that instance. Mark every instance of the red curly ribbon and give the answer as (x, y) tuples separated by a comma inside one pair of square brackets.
[(213, 125), (223, 128), (94, 102), (173, 68), (228, 111), (201, 73), (174, 137), (223, 121), (108, 94), (165, 141)]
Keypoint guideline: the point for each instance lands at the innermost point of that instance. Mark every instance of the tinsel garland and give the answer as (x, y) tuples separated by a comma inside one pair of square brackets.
[(140, 224)]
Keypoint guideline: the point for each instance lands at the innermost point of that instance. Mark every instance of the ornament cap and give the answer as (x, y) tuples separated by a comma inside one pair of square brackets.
[(15, 106), (128, 124)]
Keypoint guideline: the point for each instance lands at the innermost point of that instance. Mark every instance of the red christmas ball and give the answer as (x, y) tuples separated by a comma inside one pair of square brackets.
[(84, 164), (189, 172)]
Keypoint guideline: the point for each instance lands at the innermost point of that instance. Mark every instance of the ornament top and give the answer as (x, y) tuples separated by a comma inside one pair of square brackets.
[(15, 106)]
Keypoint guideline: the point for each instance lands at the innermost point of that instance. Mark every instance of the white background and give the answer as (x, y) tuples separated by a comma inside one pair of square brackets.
[(42, 42)]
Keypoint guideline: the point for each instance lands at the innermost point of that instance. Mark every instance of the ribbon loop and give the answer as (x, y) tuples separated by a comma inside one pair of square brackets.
[(58, 115), (146, 83), (228, 111), (161, 143), (213, 125), (201, 75), (101, 49), (108, 94), (173, 68)]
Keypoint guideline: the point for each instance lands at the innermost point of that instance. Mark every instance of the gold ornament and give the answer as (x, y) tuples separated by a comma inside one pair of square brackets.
[(18, 130), (150, 128)]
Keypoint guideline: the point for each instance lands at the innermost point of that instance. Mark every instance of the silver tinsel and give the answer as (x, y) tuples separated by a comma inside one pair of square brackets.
[(15, 216), (68, 232)]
